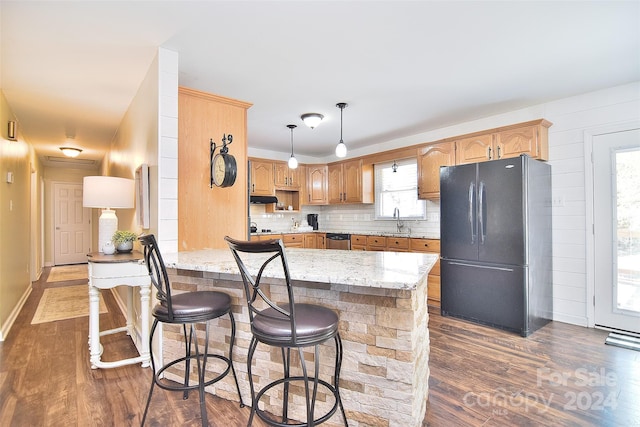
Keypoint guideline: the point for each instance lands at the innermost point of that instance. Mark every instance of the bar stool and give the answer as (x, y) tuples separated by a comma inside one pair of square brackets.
[(288, 326), (185, 309)]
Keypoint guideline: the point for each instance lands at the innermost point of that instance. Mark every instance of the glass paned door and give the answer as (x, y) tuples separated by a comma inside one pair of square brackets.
[(627, 221), (616, 198)]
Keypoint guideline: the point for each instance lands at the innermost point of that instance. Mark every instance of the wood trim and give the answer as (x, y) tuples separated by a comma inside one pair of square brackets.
[(215, 98)]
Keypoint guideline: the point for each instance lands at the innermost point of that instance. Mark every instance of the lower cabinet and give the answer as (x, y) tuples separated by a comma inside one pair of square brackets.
[(398, 244), (293, 240), (376, 243), (358, 242), (363, 242), (433, 281)]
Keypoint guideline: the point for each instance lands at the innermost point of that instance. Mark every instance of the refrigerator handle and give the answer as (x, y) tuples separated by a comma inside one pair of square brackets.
[(471, 218), (482, 230)]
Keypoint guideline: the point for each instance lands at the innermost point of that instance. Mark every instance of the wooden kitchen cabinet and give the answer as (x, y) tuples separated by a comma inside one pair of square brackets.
[(310, 241), (350, 182), (376, 243), (262, 183), (321, 241), (430, 158), (474, 149), (433, 280), (398, 244), (358, 242), (510, 141), (293, 240), (531, 140), (317, 185), (285, 178)]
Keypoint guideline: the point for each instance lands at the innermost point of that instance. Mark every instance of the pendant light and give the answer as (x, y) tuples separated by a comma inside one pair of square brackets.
[(293, 162), (341, 149)]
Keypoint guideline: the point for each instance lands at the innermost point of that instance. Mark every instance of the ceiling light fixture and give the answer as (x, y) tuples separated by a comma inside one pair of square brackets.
[(312, 119), (394, 166), (70, 151), (293, 162), (341, 149)]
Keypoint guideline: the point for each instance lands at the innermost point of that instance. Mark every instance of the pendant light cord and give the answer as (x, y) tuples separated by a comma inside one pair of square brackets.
[(341, 110)]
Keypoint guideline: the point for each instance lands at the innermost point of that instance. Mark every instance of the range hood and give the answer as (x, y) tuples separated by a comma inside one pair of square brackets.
[(263, 200)]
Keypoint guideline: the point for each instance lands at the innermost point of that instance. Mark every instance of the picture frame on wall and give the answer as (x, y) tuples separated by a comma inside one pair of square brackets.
[(142, 195)]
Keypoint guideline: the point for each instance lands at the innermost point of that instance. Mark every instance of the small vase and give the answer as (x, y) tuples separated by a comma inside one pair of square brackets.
[(124, 247), (108, 248)]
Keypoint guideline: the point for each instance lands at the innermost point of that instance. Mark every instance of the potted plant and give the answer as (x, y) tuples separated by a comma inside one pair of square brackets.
[(123, 240)]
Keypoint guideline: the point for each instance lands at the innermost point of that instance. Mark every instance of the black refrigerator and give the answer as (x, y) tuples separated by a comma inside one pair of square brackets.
[(495, 231)]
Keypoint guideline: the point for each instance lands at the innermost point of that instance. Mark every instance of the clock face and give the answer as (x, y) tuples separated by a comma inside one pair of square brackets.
[(224, 170)]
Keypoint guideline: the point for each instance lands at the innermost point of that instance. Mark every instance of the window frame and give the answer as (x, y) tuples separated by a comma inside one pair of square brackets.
[(378, 192)]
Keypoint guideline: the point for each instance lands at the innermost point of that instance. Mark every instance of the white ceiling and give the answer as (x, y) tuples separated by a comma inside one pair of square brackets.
[(71, 69)]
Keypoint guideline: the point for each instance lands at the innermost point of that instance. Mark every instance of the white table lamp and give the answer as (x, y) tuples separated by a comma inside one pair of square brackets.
[(107, 192)]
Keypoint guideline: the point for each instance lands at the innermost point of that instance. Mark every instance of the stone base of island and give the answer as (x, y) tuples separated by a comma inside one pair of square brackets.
[(381, 300)]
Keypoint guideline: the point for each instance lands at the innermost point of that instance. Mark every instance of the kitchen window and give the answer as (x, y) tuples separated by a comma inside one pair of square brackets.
[(398, 190)]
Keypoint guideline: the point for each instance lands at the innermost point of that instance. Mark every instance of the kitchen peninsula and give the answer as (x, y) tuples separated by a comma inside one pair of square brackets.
[(381, 300)]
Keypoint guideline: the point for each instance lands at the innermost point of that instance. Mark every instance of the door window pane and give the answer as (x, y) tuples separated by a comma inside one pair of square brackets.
[(627, 169)]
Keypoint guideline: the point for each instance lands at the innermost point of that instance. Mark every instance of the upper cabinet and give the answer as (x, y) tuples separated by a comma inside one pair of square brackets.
[(474, 149), (430, 158), (317, 183), (510, 141), (285, 178), (262, 183), (350, 182)]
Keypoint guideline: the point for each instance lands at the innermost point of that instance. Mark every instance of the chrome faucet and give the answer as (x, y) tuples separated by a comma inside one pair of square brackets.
[(396, 215)]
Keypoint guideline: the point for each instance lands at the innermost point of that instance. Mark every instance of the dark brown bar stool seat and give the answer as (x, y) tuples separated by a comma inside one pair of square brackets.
[(288, 325), (186, 309)]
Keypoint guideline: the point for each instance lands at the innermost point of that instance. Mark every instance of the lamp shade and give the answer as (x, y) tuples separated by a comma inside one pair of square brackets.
[(108, 192)]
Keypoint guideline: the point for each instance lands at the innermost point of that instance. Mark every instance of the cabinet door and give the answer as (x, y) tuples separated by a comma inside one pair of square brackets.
[(293, 240), (321, 241), (352, 181), (475, 149), (262, 178), (430, 158), (285, 178), (310, 241), (398, 244), (335, 192), (317, 183), (280, 174), (376, 243), (293, 178), (512, 143)]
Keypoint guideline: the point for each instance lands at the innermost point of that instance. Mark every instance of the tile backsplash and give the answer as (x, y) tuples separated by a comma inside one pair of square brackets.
[(351, 219)]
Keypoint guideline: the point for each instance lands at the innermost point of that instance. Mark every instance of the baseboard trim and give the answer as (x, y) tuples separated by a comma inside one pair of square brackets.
[(6, 327)]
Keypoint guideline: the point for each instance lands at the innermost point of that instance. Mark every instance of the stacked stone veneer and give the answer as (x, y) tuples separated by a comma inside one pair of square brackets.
[(385, 372)]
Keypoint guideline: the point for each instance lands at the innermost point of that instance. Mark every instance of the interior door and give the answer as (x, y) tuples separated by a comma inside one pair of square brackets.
[(616, 198), (71, 225)]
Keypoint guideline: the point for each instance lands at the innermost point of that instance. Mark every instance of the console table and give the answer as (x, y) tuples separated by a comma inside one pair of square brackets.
[(109, 271)]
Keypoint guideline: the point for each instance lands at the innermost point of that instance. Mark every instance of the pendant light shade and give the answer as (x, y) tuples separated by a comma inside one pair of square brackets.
[(293, 162), (341, 148)]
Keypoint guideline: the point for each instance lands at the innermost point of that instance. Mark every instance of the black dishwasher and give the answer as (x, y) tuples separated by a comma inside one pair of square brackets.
[(338, 241)]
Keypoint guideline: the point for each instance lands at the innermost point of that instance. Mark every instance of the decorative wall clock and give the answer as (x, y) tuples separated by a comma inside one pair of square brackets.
[(224, 169)]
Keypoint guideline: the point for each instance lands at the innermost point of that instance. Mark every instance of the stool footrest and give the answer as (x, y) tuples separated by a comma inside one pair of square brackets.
[(182, 387), (262, 414)]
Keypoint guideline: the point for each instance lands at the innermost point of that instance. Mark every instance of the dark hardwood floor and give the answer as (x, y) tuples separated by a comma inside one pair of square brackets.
[(562, 375)]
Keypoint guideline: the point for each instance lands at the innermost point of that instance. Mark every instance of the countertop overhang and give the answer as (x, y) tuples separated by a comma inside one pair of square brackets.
[(385, 270)]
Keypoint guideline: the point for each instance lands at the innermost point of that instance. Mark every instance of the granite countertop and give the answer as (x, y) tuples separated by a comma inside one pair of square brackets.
[(386, 270)]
